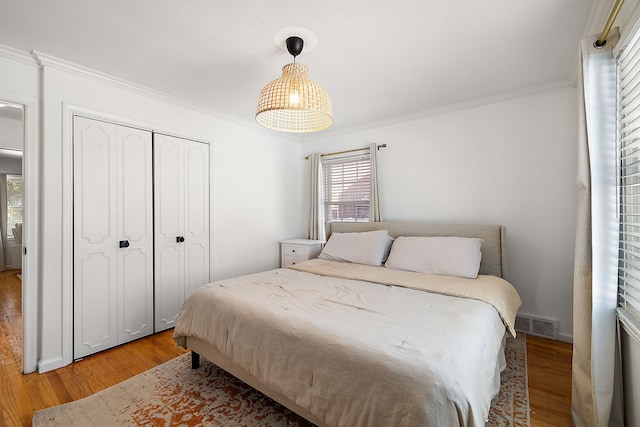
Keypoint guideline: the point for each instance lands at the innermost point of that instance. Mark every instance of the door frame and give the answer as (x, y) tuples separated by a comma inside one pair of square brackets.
[(69, 111), (31, 228)]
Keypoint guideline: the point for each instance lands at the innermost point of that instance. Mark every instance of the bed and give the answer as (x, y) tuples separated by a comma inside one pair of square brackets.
[(351, 344)]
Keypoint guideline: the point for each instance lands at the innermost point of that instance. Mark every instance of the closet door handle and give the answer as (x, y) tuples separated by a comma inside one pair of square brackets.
[(124, 244), (179, 239)]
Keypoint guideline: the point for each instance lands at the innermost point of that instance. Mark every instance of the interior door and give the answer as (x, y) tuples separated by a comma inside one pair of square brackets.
[(135, 231), (181, 211), (95, 236), (112, 235), (196, 215), (168, 156)]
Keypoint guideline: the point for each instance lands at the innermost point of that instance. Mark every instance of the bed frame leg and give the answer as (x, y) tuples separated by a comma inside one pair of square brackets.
[(195, 360)]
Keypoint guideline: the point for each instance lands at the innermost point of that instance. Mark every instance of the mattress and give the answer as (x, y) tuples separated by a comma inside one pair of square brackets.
[(353, 352)]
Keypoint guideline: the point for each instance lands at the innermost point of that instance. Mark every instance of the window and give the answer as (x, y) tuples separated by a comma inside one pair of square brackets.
[(14, 202), (629, 179), (347, 188)]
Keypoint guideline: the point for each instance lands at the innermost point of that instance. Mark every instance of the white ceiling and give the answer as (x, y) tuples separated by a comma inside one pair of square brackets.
[(377, 59)]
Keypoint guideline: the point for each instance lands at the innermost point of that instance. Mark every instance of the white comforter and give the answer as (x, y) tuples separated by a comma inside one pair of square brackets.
[(352, 352)]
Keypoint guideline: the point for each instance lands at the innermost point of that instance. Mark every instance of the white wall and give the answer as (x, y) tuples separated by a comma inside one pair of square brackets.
[(10, 133), (255, 191), (252, 191), (10, 165), (511, 163)]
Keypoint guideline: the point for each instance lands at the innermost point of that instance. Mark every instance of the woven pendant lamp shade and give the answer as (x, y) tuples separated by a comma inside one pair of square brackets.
[(294, 102)]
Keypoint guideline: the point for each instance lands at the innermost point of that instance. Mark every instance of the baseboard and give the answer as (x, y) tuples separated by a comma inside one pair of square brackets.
[(568, 338)]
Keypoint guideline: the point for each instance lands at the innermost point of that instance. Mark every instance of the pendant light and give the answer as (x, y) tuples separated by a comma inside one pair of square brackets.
[(294, 102)]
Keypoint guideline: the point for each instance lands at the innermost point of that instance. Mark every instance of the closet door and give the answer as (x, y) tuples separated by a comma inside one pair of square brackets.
[(95, 250), (135, 230), (196, 226), (169, 217), (181, 212), (113, 248)]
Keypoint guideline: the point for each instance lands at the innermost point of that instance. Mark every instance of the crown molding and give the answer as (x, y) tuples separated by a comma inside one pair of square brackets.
[(480, 102), (16, 55), (43, 60)]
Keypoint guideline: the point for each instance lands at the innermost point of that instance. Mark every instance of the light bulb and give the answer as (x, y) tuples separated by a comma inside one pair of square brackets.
[(294, 98)]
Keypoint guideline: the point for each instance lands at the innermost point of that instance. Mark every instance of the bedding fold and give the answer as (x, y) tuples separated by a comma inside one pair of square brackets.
[(490, 289)]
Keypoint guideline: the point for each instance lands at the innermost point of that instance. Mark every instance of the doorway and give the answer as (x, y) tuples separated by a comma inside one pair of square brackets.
[(11, 227)]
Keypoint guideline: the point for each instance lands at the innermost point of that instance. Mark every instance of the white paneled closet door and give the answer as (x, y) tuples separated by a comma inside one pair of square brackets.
[(135, 261), (181, 213), (113, 231), (196, 244)]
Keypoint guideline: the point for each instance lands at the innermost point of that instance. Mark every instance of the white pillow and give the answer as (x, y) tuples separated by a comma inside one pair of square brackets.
[(451, 256), (367, 247)]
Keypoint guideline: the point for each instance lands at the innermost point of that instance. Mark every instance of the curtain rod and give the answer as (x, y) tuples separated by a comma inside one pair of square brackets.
[(607, 26), (348, 151)]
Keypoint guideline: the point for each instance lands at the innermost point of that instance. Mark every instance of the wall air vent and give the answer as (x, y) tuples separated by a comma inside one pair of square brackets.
[(537, 326)]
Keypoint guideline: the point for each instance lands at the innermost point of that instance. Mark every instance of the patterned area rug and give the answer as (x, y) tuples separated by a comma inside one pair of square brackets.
[(173, 394), (511, 406)]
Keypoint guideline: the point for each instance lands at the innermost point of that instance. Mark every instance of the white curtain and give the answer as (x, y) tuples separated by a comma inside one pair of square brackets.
[(3, 219), (316, 192), (595, 267), (374, 202)]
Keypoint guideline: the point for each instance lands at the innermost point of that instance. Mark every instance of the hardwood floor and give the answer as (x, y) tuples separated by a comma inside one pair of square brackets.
[(549, 369), (549, 372), (22, 395)]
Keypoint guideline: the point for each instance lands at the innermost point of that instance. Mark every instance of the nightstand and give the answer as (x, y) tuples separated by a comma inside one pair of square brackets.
[(293, 251)]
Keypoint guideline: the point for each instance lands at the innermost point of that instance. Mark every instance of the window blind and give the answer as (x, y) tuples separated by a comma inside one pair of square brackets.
[(629, 179), (347, 188)]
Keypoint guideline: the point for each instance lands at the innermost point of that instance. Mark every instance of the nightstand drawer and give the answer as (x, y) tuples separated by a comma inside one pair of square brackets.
[(291, 260), (294, 250)]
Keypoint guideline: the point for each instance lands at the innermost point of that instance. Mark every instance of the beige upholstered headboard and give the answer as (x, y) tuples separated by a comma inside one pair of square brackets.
[(494, 250)]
